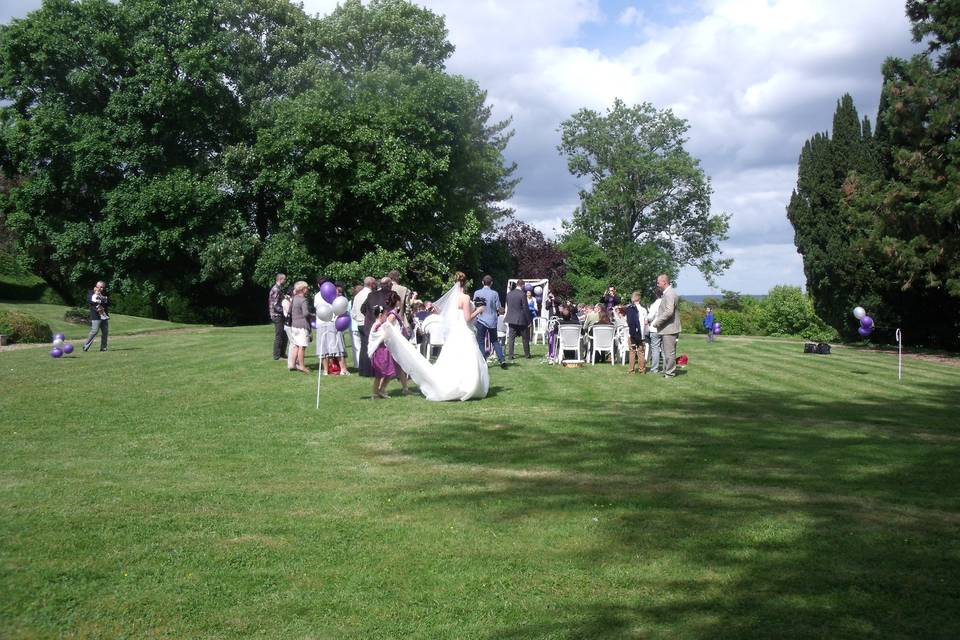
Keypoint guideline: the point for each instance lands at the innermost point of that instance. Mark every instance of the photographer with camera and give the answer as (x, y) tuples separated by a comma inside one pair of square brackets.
[(99, 318), (489, 301)]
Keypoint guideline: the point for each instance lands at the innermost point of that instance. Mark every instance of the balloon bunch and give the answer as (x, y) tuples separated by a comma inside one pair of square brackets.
[(60, 346), (716, 328), (866, 322), (333, 305)]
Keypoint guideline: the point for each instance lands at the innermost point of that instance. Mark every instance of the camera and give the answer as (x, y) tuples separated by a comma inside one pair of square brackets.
[(480, 302)]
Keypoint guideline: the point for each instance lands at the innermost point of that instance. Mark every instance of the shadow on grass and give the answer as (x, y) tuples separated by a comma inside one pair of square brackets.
[(774, 515)]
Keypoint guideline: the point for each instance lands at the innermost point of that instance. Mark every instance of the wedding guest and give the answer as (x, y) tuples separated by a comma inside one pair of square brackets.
[(551, 306), (518, 319), (384, 366), (636, 323), (355, 340), (592, 316), (287, 305), (567, 316), (99, 318), (653, 336), (667, 323), (708, 324), (486, 322), (359, 317), (406, 297), (274, 306), (620, 317), (610, 299), (532, 305), (300, 324)]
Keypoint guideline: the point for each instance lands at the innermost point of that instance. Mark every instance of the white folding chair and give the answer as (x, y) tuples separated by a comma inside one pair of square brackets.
[(435, 339), (569, 340), (540, 330), (602, 341), (431, 330), (621, 340)]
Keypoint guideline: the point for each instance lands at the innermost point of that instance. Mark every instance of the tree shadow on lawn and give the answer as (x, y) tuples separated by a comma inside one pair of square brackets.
[(787, 517)]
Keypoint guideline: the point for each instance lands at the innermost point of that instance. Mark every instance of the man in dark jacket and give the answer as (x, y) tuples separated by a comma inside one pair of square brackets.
[(275, 308), (518, 319), (636, 318)]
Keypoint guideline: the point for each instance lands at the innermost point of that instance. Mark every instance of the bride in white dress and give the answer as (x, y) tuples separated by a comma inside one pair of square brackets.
[(460, 371)]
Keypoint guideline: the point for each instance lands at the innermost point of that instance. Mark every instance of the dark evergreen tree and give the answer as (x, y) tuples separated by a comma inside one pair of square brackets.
[(828, 234)]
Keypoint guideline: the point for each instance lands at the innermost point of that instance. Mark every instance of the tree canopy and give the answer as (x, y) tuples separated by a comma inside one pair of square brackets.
[(876, 214), (188, 150), (648, 204)]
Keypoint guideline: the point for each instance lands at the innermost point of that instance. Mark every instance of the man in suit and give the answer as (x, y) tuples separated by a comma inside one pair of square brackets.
[(487, 320), (667, 324), (518, 318), (404, 294)]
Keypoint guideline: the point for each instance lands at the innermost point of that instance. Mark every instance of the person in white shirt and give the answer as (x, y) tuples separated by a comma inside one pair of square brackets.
[(358, 320), (656, 345)]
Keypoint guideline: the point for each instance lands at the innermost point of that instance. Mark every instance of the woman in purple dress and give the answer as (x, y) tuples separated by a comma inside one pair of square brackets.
[(383, 364)]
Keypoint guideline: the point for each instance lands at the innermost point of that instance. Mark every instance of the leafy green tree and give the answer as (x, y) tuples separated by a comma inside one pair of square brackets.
[(587, 267), (187, 150), (648, 199)]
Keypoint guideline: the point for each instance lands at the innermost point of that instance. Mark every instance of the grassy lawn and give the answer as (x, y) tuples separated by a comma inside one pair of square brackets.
[(184, 486), (120, 325)]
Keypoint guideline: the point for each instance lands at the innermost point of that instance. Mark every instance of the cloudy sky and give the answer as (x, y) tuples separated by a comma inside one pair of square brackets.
[(755, 78)]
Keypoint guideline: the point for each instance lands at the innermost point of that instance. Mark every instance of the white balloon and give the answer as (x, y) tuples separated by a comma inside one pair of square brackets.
[(58, 343), (859, 313), (324, 312), (538, 291), (339, 305)]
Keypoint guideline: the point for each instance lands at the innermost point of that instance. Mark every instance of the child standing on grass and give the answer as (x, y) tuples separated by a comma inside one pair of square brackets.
[(383, 364)]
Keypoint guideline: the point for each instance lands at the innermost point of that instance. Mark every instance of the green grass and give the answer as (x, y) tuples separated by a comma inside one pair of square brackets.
[(120, 325), (183, 485)]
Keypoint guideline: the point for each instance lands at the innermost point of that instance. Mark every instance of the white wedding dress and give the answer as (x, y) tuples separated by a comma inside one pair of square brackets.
[(460, 371)]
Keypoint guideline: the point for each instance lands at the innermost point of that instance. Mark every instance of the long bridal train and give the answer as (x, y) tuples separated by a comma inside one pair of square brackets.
[(460, 371)]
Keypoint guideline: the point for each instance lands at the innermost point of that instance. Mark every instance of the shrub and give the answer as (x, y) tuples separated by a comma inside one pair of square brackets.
[(77, 315), (22, 327)]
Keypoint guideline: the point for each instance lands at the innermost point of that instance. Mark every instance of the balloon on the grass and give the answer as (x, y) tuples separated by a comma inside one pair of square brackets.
[(343, 322), (58, 342), (67, 348), (339, 305), (324, 312), (328, 291), (538, 290), (866, 322), (59, 336), (864, 332), (56, 352), (859, 313)]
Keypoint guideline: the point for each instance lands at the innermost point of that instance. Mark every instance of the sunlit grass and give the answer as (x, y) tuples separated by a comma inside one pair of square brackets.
[(183, 485)]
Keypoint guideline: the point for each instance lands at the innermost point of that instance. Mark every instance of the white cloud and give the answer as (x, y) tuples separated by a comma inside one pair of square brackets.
[(629, 17)]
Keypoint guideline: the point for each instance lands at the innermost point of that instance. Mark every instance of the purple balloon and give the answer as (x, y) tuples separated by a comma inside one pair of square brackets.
[(716, 328), (68, 348), (343, 322), (864, 332), (59, 336), (528, 287), (866, 322), (328, 291), (313, 323), (56, 353)]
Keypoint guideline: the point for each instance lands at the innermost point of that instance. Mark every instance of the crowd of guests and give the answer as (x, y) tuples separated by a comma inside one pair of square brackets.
[(650, 330)]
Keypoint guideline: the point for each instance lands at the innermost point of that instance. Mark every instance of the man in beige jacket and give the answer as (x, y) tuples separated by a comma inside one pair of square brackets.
[(667, 324)]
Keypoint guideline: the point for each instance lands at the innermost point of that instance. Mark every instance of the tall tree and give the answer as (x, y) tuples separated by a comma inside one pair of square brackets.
[(649, 199), (828, 234)]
